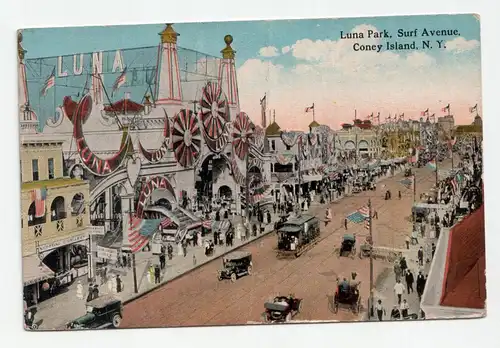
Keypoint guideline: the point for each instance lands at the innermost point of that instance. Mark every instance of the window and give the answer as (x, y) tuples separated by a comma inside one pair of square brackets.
[(34, 168), (273, 145), (51, 168)]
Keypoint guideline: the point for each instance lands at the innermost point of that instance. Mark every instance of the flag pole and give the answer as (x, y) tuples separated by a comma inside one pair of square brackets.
[(314, 117), (370, 301), (134, 268)]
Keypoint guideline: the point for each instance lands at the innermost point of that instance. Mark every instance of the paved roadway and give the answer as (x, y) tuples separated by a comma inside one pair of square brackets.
[(200, 299)]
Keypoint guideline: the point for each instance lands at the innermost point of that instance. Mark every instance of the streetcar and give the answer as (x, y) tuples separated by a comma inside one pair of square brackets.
[(297, 235)]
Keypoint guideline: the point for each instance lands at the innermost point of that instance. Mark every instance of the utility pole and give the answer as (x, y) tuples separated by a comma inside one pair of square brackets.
[(370, 301), (134, 268), (247, 190), (298, 170)]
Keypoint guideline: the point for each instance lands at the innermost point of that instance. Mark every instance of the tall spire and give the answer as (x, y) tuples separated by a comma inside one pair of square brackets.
[(168, 79), (227, 76), (27, 117)]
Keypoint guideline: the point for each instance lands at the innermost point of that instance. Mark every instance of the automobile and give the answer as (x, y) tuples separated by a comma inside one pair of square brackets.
[(282, 309), (348, 245), (235, 265), (349, 297), (103, 312)]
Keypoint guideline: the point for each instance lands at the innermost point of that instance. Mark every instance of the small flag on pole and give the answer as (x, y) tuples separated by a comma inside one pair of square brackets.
[(425, 112), (446, 108), (49, 83), (39, 196), (432, 165), (472, 109), (140, 231), (120, 81), (310, 108)]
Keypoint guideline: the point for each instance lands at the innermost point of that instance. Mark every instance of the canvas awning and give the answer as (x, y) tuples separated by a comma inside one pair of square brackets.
[(34, 270)]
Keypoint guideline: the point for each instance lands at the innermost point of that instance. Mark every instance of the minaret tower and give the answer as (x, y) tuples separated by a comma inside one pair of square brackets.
[(27, 118), (227, 77), (168, 78)]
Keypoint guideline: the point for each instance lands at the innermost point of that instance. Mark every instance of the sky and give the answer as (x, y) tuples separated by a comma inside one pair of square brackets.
[(300, 62)]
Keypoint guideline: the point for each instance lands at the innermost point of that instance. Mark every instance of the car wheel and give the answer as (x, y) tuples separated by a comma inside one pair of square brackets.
[(233, 277), (299, 307), (34, 327), (117, 319), (249, 270)]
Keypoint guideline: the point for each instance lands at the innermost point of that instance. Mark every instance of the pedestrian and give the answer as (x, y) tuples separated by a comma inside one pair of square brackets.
[(345, 223), (433, 249), (226, 215), (399, 290), (90, 293), (397, 270), (184, 248), (129, 261), (95, 292), (151, 272), (157, 274), (420, 284), (194, 260), (399, 194), (409, 281), (404, 309), (403, 264), (375, 215), (162, 261), (268, 217), (380, 310), (407, 241), (79, 290), (420, 255), (414, 237), (274, 207), (119, 284), (110, 284), (124, 260)]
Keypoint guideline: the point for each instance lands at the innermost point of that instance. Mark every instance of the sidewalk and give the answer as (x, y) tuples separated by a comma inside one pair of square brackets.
[(55, 312)]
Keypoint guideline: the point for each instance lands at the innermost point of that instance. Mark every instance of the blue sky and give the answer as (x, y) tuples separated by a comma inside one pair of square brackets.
[(311, 47), (249, 37)]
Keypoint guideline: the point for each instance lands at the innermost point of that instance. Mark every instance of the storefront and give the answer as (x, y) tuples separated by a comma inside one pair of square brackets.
[(35, 276)]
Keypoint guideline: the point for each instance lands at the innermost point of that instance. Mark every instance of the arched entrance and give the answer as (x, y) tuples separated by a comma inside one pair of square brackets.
[(212, 166), (225, 192)]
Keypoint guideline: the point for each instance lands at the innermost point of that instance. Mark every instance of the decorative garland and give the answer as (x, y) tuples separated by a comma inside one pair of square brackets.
[(285, 158), (237, 175), (289, 138)]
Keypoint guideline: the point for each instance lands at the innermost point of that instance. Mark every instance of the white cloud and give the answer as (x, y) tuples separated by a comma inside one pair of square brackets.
[(460, 45), (420, 59), (269, 51), (285, 49), (328, 71)]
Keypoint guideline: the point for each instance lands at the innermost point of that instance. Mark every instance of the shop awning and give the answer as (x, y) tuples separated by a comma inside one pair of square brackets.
[(34, 270)]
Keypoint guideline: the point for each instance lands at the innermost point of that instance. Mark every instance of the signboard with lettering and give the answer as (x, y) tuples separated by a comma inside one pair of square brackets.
[(97, 230), (62, 242), (73, 72), (107, 253)]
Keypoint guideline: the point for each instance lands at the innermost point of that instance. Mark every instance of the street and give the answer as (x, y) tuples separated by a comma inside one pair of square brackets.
[(200, 299)]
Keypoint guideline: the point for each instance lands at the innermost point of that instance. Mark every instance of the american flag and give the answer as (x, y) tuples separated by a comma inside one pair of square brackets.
[(139, 232), (408, 182), (166, 222), (425, 113), (359, 216), (39, 195), (49, 83), (368, 223), (207, 224), (472, 109), (120, 81), (309, 108), (454, 185), (446, 108)]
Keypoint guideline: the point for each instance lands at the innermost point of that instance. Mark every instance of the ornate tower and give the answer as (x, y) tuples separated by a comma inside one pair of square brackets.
[(27, 117), (227, 76), (168, 78)]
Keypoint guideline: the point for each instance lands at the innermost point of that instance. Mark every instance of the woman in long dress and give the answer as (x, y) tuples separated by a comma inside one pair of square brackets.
[(79, 290)]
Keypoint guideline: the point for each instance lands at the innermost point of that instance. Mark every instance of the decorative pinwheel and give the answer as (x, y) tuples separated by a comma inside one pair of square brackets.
[(242, 132), (214, 110), (258, 137), (186, 138)]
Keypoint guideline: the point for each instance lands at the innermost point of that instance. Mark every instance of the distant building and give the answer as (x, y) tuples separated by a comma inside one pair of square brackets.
[(447, 124)]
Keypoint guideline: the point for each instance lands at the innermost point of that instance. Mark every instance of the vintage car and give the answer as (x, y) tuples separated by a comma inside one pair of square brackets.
[(103, 312), (297, 236), (235, 265), (348, 245), (282, 309)]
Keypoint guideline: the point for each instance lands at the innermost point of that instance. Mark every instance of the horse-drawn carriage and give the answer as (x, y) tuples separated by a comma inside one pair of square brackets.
[(298, 235), (282, 309), (348, 245), (346, 295)]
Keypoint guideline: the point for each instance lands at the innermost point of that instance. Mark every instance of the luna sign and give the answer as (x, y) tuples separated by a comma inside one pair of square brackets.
[(154, 183), (96, 165)]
